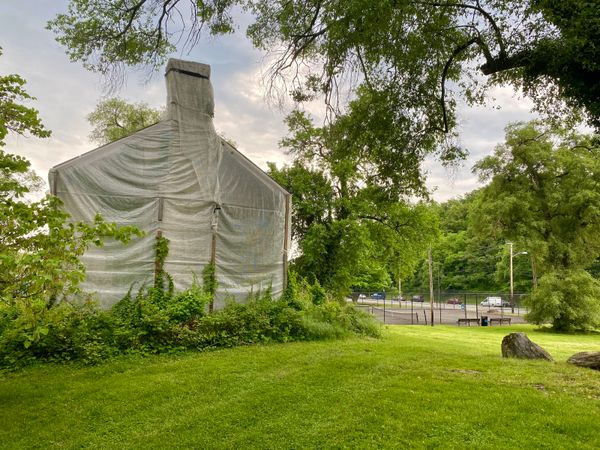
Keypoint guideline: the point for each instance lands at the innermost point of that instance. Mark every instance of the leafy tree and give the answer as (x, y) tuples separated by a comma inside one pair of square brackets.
[(466, 258), (351, 221), (14, 116), (39, 249), (463, 260), (114, 118), (414, 56), (543, 194), (571, 299)]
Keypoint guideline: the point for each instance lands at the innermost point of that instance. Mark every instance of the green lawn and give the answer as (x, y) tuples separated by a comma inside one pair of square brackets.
[(420, 387)]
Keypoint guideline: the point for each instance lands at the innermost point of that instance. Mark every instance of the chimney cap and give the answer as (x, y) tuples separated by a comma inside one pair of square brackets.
[(188, 68)]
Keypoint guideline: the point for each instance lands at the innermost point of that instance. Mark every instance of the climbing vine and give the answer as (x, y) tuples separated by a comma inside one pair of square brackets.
[(209, 280), (161, 251)]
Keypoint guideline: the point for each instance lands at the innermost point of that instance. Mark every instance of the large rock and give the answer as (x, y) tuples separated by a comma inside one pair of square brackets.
[(518, 345), (586, 359)]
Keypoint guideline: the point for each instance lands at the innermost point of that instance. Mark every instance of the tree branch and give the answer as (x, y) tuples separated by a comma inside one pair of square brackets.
[(457, 51), (501, 64), (133, 10), (483, 12)]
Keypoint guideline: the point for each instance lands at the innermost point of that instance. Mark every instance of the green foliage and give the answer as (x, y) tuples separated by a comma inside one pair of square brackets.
[(318, 294), (260, 320), (466, 260), (156, 320), (209, 280), (292, 294), (190, 305), (114, 119), (39, 247), (543, 195), (161, 251), (14, 116), (30, 330), (571, 58), (99, 29), (334, 320), (414, 59), (570, 300), (352, 225)]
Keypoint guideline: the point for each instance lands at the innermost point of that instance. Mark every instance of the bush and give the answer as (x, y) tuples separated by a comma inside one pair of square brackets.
[(569, 300), (159, 320), (65, 332)]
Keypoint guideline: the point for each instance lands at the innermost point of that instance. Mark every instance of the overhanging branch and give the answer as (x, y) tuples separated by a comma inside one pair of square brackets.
[(457, 51)]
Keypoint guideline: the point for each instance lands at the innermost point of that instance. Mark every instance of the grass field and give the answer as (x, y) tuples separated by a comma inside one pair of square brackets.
[(420, 387)]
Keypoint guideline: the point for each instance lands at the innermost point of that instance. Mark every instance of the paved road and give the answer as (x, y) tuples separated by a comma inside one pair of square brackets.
[(448, 314)]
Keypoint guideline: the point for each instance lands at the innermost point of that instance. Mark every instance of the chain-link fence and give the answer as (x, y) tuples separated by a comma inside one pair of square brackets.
[(464, 308)]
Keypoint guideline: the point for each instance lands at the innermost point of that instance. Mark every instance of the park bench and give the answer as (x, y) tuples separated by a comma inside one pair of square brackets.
[(468, 321), (500, 320)]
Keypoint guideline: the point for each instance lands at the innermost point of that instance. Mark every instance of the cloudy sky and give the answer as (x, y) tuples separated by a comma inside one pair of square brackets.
[(66, 93)]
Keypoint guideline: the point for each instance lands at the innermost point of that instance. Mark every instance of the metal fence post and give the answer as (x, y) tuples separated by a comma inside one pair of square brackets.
[(384, 309)]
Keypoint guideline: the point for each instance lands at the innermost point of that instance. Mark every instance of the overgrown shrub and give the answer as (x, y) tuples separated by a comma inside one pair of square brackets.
[(33, 331), (158, 320), (569, 300), (151, 321)]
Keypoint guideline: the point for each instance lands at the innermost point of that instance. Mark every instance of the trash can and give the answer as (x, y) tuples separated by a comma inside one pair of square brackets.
[(484, 321)]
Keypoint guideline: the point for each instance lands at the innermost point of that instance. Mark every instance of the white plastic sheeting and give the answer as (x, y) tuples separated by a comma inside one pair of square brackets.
[(181, 179)]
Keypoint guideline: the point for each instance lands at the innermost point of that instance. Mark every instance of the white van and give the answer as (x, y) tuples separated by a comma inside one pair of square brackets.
[(492, 302)]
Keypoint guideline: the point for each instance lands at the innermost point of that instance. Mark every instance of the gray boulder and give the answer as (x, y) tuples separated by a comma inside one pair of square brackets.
[(518, 345), (586, 359)]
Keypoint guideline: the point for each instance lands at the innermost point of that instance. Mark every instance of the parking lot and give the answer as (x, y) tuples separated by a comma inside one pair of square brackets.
[(448, 311)]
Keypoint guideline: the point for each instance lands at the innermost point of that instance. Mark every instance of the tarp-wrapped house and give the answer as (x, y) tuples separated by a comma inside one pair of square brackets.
[(179, 179)]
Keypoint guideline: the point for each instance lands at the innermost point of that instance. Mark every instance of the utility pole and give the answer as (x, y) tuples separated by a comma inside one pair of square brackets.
[(399, 281), (510, 246), (430, 285)]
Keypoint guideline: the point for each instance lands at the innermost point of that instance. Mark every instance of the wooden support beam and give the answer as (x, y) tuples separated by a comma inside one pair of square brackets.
[(286, 238)]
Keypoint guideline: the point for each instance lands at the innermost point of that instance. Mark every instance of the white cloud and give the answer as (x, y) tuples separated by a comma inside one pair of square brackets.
[(481, 128)]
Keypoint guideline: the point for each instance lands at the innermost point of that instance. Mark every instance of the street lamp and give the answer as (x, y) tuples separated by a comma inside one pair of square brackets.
[(510, 245)]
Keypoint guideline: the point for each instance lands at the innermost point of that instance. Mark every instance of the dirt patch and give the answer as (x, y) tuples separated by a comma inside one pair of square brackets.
[(466, 371)]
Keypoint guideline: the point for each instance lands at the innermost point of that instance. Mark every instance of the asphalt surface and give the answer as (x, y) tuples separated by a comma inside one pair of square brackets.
[(420, 313)]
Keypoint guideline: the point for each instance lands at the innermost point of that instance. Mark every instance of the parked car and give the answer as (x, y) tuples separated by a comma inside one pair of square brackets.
[(492, 302), (417, 298), (362, 296), (454, 301), (378, 296), (398, 298)]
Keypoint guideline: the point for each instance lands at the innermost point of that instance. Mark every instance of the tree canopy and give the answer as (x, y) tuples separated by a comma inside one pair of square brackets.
[(464, 258), (544, 195), (114, 118), (416, 56), (15, 117), (39, 248), (353, 222)]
